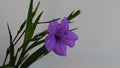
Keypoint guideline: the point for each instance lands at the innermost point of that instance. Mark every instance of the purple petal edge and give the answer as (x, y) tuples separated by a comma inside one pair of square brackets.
[(50, 43), (60, 48), (53, 27), (64, 25)]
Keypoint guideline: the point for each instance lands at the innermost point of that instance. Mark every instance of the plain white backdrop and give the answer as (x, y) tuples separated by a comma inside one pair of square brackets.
[(99, 31)]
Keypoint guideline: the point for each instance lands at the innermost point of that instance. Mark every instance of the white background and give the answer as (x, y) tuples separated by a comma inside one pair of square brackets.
[(99, 31)]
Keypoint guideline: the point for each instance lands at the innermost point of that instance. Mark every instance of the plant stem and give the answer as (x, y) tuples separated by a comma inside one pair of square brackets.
[(7, 52), (49, 21), (22, 53)]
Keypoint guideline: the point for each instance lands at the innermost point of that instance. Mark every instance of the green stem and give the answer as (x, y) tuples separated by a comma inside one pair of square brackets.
[(7, 52)]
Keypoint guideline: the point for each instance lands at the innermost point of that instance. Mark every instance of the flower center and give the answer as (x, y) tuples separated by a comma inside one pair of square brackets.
[(57, 35)]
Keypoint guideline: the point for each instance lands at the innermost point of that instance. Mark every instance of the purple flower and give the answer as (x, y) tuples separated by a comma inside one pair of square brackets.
[(59, 37)]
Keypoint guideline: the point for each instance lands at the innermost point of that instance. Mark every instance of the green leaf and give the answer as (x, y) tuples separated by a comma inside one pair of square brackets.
[(23, 58), (36, 43), (36, 38), (29, 23), (35, 56), (22, 26), (11, 49), (33, 27), (39, 36), (29, 17), (10, 35), (7, 66), (34, 12), (73, 29), (19, 31), (36, 21), (73, 15), (7, 53)]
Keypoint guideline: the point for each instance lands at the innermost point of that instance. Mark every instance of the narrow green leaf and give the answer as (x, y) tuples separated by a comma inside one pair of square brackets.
[(29, 18), (23, 59), (29, 23), (22, 26), (19, 38), (7, 66), (36, 43), (12, 59), (73, 29), (35, 56), (37, 19), (7, 53), (32, 29), (10, 35), (39, 36), (34, 12), (73, 15), (19, 31)]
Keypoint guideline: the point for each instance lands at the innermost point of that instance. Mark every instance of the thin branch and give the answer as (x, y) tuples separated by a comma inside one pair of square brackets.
[(49, 21), (19, 38)]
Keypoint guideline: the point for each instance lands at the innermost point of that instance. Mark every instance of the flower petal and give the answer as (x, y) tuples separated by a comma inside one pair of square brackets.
[(72, 35), (68, 42), (53, 27), (69, 35), (64, 25), (50, 42), (60, 48), (68, 38)]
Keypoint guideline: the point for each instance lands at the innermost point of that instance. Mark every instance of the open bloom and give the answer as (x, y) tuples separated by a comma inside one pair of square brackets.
[(59, 37)]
